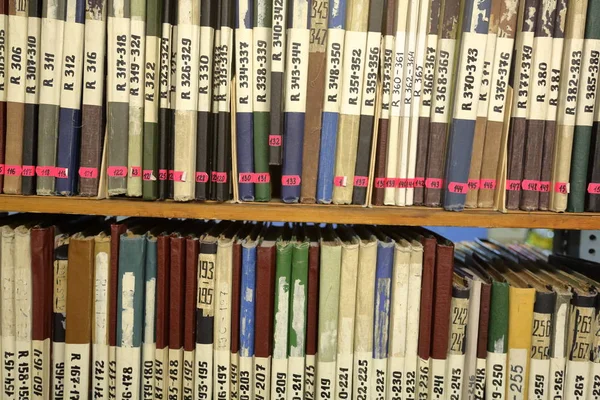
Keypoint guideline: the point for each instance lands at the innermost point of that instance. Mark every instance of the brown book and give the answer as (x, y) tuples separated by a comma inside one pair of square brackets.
[(484, 320), (4, 29), (116, 230), (176, 313), (163, 279), (192, 248), (312, 316), (42, 270)]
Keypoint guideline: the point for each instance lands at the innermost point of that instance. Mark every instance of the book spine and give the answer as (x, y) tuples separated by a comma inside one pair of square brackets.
[(222, 326), (149, 330), (92, 109), (117, 107), (151, 93), (137, 57), (205, 79), (477, 383), (172, 103), (32, 97), (456, 346), (163, 283), (261, 99), (100, 348), (519, 340), (23, 316), (558, 349), (317, 59), (278, 54), (69, 128), (244, 96), (164, 104), (236, 294), (9, 374), (189, 321), (312, 331), (595, 359), (3, 53), (174, 369), (336, 33), (247, 321), (539, 364), (580, 339), (591, 197), (411, 366), (15, 107), (116, 230)]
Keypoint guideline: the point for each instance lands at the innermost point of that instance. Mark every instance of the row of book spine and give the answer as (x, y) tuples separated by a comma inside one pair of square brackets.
[(192, 309)]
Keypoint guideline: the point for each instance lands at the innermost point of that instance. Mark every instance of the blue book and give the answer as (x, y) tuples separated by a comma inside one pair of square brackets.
[(244, 99), (69, 128), (247, 318), (467, 88), (331, 106)]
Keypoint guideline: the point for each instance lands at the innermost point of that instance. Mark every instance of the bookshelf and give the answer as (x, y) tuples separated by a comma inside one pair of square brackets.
[(276, 211)]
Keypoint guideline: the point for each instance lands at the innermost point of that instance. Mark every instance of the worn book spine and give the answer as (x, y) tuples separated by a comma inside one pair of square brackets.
[(317, 59), (261, 99), (116, 230), (295, 88), (595, 359), (579, 341), (172, 93), (23, 311), (32, 98), (3, 53), (539, 364), (174, 370), (352, 83), (216, 67), (205, 311), (497, 103), (163, 283), (336, 32), (297, 319), (386, 70), (586, 102), (92, 108), (558, 38), (346, 320), (69, 119), (100, 327), (559, 345), (264, 309), (592, 188), (208, 20), (186, 103), (365, 314), (329, 292), (466, 91), (247, 320), (360, 180), (279, 362), (440, 104), (481, 372), (538, 101), (459, 315), (130, 314), (312, 319), (137, 56), (222, 326), (164, 104), (482, 106), (411, 361), (244, 94), (520, 323), (279, 15), (15, 95), (78, 337), (117, 107), (42, 260), (236, 299), (521, 101), (189, 312), (568, 104), (9, 374), (149, 327), (151, 93)]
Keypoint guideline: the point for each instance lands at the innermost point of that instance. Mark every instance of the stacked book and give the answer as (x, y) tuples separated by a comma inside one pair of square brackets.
[(367, 102), (145, 308)]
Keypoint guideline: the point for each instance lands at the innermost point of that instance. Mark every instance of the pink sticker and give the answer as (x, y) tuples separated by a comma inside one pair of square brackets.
[(163, 175), (513, 184), (13, 170), (201, 177), (473, 184), (391, 183), (218, 177), (361, 181), (27, 170), (61, 173), (88, 172), (379, 183), (594, 188), (171, 175), (544, 186), (458, 187), (402, 183), (117, 172), (178, 176), (148, 175), (44, 171), (410, 183), (340, 181), (1, 169), (275, 140), (433, 183), (489, 184), (135, 172), (290, 180), (419, 182), (561, 187), (531, 185), (262, 177), (246, 177)]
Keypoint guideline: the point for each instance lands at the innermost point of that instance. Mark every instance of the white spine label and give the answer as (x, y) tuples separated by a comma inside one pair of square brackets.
[(555, 68), (175, 374), (137, 56), (428, 75), (454, 382), (468, 85), (396, 101), (362, 375), (70, 96), (100, 371), (538, 379), (523, 74), (187, 81), (379, 379), (165, 66), (588, 83), (17, 43), (297, 72), (423, 379), (204, 370), (540, 77), (370, 76), (151, 80), (437, 379), (500, 73), (486, 74), (568, 91), (243, 69), (93, 75), (387, 65), (77, 370), (128, 372), (58, 370), (517, 370), (148, 350), (118, 53), (295, 389), (262, 69), (279, 378), (262, 378), (187, 386), (442, 81), (577, 380), (344, 376), (33, 50), (352, 72), (309, 377), (325, 379), (207, 35), (557, 376), (246, 386), (278, 39), (3, 56), (333, 73), (40, 387), (161, 361)]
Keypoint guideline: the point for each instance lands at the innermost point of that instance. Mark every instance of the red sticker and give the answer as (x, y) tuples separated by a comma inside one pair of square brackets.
[(88, 172), (246, 177), (402, 183), (391, 183), (489, 184), (44, 171), (135, 172), (410, 183), (544, 186), (275, 140), (201, 177), (218, 177), (594, 188), (290, 180), (458, 187), (61, 173), (433, 183), (262, 177), (419, 182), (1, 169), (148, 175), (562, 187), (340, 181), (27, 170), (473, 184), (513, 184), (162, 174), (530, 185), (117, 172), (178, 176), (171, 175), (379, 183), (13, 170), (361, 181)]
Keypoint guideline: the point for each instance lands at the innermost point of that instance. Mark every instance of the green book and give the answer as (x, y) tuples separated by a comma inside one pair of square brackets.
[(497, 339)]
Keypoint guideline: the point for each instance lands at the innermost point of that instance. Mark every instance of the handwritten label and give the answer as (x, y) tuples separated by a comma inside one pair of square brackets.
[(562, 187), (262, 377), (513, 184), (473, 184), (201, 177), (555, 72), (261, 65), (290, 180), (275, 140), (12, 170), (333, 73), (569, 91), (352, 72), (88, 172), (205, 77), (458, 187), (468, 84), (433, 183), (540, 77), (443, 82), (148, 175), (499, 84), (370, 75), (77, 370), (119, 172), (137, 56), (118, 60), (588, 83), (135, 172), (517, 366), (297, 72), (27, 170), (361, 181)]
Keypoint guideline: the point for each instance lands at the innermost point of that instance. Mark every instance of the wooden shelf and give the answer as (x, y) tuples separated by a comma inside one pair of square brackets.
[(276, 211)]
